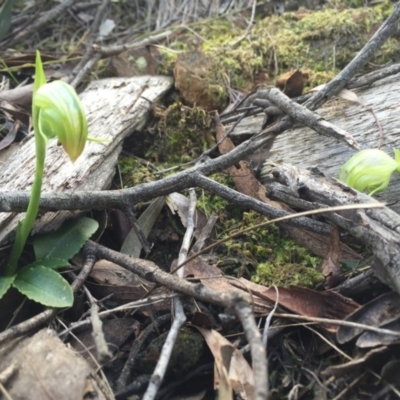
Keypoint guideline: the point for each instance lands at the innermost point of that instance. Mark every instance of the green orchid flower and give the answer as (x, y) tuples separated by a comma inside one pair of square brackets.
[(370, 170), (61, 115), (56, 113)]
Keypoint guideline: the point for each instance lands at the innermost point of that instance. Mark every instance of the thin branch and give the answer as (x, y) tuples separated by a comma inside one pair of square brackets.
[(248, 28), (94, 53), (192, 177), (137, 346), (90, 57), (179, 314), (233, 300), (94, 29), (39, 23), (308, 117)]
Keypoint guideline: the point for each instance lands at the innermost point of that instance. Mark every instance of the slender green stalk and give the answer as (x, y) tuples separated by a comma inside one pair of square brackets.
[(27, 224)]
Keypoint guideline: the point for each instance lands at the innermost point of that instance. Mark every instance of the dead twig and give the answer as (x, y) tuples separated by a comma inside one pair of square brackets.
[(288, 217), (39, 23), (307, 117), (233, 300), (248, 28), (94, 53), (125, 307), (137, 346), (179, 314), (192, 177), (377, 229)]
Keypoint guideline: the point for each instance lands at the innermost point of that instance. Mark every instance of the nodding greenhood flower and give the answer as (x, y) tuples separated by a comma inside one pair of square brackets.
[(60, 114), (370, 170), (56, 113)]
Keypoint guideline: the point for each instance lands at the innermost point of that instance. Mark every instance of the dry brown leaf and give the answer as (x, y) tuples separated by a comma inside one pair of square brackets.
[(330, 267), (229, 358), (246, 183), (349, 95), (344, 94), (11, 135), (243, 177), (211, 276), (377, 312), (291, 83), (124, 286), (307, 302), (373, 339), (178, 203), (390, 373)]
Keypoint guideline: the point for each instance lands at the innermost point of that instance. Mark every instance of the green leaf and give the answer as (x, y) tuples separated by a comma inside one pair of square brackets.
[(52, 263), (40, 77), (44, 286), (5, 17), (5, 284), (67, 241)]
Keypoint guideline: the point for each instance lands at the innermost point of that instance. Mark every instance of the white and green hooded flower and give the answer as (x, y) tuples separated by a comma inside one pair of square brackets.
[(370, 170), (58, 113)]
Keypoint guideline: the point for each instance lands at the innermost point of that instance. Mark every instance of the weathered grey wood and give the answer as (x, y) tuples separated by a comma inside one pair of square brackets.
[(115, 108), (377, 228), (305, 148)]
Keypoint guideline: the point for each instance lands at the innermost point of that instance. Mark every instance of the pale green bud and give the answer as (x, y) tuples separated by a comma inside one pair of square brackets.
[(60, 114), (369, 170)]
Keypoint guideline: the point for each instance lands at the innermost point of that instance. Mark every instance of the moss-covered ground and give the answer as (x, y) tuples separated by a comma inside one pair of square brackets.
[(319, 43)]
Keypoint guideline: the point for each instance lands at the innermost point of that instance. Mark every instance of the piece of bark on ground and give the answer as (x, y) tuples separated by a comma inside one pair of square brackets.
[(115, 108), (305, 148)]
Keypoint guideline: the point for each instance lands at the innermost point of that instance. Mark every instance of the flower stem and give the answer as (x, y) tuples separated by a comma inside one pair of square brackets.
[(26, 226)]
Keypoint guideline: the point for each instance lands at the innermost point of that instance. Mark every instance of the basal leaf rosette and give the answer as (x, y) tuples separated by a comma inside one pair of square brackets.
[(370, 170)]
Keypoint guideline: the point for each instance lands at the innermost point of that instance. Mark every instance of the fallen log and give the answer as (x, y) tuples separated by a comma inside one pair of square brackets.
[(115, 108), (304, 148)]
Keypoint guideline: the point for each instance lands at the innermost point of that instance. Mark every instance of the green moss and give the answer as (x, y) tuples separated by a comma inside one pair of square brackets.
[(262, 255), (188, 350), (320, 42), (133, 172), (183, 134), (210, 203)]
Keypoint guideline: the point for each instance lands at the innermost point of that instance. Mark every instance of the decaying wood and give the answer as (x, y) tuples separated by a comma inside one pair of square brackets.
[(114, 108), (304, 148)]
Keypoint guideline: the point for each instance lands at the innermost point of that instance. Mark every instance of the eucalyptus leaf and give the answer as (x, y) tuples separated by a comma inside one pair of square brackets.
[(5, 284), (67, 241), (44, 286), (132, 245)]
